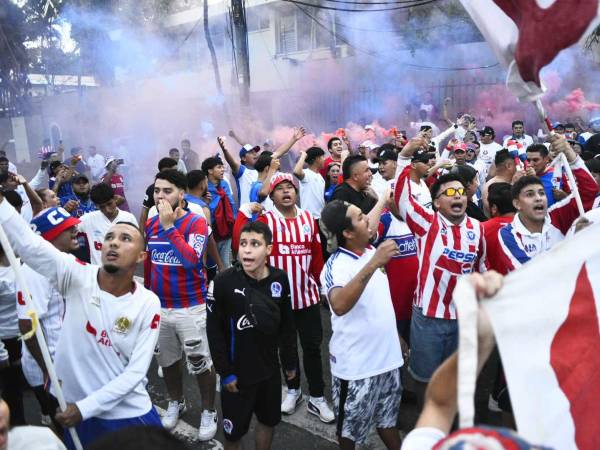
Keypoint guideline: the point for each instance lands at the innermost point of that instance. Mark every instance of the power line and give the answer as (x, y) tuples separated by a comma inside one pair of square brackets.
[(395, 8), (415, 2), (379, 55)]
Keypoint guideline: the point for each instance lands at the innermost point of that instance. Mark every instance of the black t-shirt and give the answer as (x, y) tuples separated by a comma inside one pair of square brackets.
[(475, 212), (149, 197), (360, 199)]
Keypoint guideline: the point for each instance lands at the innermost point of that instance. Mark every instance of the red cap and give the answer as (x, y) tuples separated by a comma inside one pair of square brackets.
[(280, 178)]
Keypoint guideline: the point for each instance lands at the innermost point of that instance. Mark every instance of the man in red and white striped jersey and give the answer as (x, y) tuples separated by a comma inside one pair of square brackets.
[(297, 251), (450, 245)]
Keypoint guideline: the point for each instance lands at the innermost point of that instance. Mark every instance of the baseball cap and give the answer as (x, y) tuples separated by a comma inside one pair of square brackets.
[(459, 146), (79, 177), (369, 144), (556, 125), (387, 155), (248, 148), (487, 130), (422, 156), (280, 178), (53, 221)]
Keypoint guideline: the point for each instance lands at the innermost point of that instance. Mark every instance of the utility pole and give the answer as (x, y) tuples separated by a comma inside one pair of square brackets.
[(242, 57)]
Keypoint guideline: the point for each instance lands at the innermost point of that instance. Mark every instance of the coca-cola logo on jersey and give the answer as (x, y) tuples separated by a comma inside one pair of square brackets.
[(166, 258)]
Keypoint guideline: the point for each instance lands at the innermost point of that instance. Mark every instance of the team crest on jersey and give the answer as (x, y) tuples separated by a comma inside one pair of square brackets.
[(122, 325), (306, 228), (471, 235), (196, 241), (443, 231), (227, 426), (276, 289)]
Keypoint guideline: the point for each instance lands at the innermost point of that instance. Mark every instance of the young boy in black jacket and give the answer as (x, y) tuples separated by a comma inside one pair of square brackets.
[(249, 316)]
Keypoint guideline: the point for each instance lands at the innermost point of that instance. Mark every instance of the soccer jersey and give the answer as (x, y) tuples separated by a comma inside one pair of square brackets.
[(95, 225), (312, 193), (243, 180), (296, 250), (83, 207), (107, 342), (365, 341), (118, 184), (177, 273), (446, 251), (49, 305)]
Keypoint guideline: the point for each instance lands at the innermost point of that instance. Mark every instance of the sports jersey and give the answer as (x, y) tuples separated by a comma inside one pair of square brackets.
[(107, 342), (296, 250), (365, 341), (118, 184), (95, 225), (446, 251), (402, 269), (493, 249), (519, 244), (487, 152), (243, 181), (83, 207), (177, 273), (312, 193), (525, 140), (253, 197), (49, 305)]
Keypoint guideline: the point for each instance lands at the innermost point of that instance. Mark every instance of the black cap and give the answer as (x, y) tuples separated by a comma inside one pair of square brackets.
[(488, 130), (81, 177), (387, 155), (422, 156)]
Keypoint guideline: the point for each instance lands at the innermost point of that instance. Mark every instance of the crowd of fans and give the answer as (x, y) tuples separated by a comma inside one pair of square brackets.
[(238, 270)]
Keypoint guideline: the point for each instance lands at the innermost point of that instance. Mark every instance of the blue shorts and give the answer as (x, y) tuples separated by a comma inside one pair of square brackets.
[(93, 428), (432, 340)]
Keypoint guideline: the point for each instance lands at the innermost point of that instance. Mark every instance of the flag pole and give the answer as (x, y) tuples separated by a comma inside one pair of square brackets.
[(14, 263)]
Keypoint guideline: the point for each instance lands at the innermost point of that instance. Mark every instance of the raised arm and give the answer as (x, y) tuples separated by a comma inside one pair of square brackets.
[(234, 135), (417, 217), (36, 202), (299, 133), (299, 167), (266, 186), (233, 163)]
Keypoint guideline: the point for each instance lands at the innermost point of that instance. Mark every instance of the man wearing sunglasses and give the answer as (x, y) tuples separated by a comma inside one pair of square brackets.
[(488, 148), (450, 245)]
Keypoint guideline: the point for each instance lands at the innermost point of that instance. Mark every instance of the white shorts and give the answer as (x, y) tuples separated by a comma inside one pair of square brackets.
[(182, 330)]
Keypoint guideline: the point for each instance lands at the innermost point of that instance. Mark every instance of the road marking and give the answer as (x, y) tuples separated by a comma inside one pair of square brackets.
[(190, 434)]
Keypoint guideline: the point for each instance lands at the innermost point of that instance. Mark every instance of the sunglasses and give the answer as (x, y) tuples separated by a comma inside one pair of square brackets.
[(470, 151), (451, 192)]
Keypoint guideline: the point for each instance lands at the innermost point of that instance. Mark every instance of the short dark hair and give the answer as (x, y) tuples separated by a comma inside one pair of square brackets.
[(101, 193), (172, 150), (138, 438), (263, 161), (313, 153), (517, 122), (446, 178), (166, 163), (4, 159), (211, 163), (335, 219), (466, 173), (538, 148), (186, 141), (593, 165), (174, 177), (388, 146), (349, 163), (502, 156), (133, 225), (500, 196), (522, 183), (194, 178), (258, 228), (331, 141)]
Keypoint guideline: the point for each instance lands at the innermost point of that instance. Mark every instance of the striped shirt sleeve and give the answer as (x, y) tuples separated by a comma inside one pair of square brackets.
[(417, 217)]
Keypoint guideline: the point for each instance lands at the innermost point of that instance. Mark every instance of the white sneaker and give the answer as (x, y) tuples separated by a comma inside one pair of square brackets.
[(171, 417), (291, 401), (46, 420), (319, 407), (160, 372), (208, 425)]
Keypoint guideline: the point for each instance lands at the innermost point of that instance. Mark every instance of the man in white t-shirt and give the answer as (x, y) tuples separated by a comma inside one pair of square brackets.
[(109, 331), (518, 129), (487, 147), (96, 163), (312, 184), (364, 349), (421, 163), (95, 224)]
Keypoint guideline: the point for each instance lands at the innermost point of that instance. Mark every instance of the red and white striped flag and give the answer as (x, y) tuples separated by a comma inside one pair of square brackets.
[(526, 35), (546, 322)]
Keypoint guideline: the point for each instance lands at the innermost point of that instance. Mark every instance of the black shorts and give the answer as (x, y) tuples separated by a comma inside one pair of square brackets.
[(262, 399)]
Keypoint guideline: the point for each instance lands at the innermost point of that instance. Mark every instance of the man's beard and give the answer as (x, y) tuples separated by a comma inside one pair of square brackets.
[(83, 195), (110, 268)]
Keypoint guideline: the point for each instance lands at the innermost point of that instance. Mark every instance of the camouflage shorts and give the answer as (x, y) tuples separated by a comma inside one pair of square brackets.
[(361, 404)]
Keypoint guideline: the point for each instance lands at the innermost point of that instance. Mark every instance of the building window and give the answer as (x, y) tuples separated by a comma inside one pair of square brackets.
[(299, 31), (257, 19)]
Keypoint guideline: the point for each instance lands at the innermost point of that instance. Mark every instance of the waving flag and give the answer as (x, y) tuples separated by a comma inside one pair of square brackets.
[(546, 323), (526, 35)]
